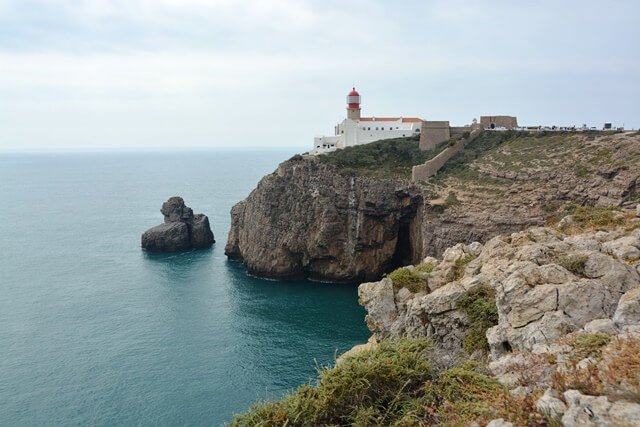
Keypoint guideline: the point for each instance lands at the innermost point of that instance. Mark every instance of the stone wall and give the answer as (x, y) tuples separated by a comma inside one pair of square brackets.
[(433, 133), (458, 131), (508, 122), (431, 167)]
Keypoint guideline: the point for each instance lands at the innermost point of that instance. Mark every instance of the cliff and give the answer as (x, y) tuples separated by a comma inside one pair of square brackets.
[(353, 215), (308, 220)]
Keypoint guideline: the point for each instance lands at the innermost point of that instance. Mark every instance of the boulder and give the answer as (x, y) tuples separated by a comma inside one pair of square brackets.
[(551, 405), (182, 230), (171, 237), (174, 210), (628, 310), (201, 234), (586, 410)]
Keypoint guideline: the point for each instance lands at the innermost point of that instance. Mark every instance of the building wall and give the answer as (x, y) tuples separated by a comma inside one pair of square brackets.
[(351, 132), (508, 122), (369, 131), (325, 144), (459, 131), (433, 133)]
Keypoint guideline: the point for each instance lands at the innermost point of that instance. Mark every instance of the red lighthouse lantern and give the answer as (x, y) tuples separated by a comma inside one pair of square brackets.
[(353, 105)]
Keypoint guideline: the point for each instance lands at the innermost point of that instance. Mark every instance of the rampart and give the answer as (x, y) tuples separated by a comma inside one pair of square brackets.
[(431, 167), (493, 122), (433, 133)]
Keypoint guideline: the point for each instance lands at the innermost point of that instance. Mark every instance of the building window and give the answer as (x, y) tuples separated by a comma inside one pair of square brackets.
[(382, 128), (376, 128), (368, 128)]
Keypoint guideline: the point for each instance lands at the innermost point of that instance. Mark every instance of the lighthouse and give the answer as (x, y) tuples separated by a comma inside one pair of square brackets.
[(357, 130), (353, 105)]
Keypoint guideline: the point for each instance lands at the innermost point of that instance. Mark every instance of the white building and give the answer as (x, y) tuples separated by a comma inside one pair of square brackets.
[(356, 130)]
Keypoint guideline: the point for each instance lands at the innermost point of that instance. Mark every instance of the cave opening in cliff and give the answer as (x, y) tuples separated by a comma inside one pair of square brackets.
[(402, 255)]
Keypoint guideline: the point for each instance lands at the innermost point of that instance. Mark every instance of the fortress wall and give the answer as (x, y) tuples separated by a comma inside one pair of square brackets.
[(508, 122), (432, 133), (431, 167), (456, 131)]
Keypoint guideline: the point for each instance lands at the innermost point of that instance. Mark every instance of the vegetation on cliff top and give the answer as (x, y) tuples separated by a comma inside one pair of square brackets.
[(395, 384), (389, 158), (413, 278), (519, 162)]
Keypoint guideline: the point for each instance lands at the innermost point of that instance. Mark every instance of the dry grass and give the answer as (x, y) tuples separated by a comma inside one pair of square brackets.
[(615, 373)]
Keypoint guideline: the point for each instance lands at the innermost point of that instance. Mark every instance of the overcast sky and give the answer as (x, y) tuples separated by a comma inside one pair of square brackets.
[(93, 74)]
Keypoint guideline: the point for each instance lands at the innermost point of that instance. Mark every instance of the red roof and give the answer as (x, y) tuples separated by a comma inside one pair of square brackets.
[(390, 119), (353, 92)]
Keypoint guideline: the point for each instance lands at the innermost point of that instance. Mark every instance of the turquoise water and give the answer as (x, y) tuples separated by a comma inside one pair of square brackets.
[(94, 331)]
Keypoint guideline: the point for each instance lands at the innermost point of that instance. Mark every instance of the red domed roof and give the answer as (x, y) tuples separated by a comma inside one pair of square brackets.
[(353, 92)]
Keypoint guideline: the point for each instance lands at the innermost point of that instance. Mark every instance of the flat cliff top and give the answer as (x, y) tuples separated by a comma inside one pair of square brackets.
[(542, 168), (389, 158)]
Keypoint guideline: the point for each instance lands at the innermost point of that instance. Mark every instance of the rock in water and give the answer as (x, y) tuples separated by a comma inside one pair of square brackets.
[(175, 210), (170, 237), (201, 235), (182, 230)]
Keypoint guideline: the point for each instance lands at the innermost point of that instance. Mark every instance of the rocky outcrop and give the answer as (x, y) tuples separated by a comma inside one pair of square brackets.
[(308, 220), (182, 230), (547, 284), (568, 329)]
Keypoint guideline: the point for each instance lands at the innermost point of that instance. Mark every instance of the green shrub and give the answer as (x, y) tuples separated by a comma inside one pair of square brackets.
[(390, 158), (394, 384), (372, 387), (479, 305), (457, 271), (573, 263), (425, 267), (451, 199), (594, 217), (583, 172), (588, 344), (406, 278)]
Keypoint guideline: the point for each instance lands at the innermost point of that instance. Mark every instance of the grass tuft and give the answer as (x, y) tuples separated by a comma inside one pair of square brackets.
[(479, 304), (394, 384), (410, 279), (573, 263), (373, 387), (459, 266)]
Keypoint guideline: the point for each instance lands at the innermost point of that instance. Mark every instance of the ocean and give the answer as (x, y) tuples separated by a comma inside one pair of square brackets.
[(95, 331)]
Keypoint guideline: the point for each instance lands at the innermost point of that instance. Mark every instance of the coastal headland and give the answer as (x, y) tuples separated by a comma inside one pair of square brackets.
[(502, 291), (353, 214)]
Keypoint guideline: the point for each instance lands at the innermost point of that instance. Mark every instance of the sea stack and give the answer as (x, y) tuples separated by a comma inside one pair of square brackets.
[(181, 231)]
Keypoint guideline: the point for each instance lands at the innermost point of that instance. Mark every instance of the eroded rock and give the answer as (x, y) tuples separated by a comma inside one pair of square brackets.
[(182, 230)]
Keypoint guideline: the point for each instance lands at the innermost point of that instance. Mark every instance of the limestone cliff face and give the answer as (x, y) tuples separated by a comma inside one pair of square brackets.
[(547, 284), (308, 220)]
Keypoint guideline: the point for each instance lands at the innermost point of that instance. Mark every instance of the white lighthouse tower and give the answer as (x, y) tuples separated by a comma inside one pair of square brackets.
[(357, 130)]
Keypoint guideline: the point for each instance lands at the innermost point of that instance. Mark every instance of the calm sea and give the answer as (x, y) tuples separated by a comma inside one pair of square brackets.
[(94, 331)]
